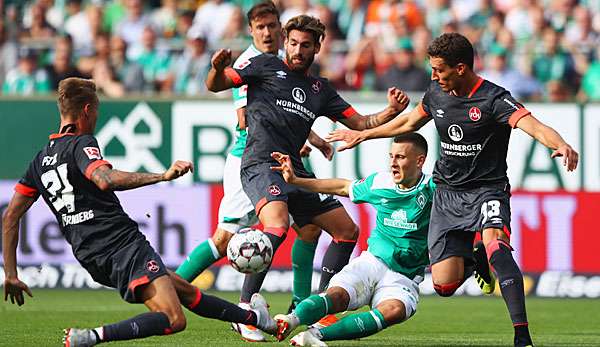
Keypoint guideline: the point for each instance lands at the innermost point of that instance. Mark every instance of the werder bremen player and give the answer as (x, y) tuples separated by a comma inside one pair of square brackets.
[(387, 275), (236, 210)]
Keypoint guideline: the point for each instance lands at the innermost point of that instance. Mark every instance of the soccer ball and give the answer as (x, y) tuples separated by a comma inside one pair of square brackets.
[(249, 251)]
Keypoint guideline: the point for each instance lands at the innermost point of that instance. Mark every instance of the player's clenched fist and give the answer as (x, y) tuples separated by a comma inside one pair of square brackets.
[(397, 99), (221, 59), (178, 169)]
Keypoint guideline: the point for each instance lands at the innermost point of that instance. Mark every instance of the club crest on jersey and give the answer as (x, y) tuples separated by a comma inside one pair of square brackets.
[(421, 200), (298, 95), (475, 113), (316, 87), (92, 152), (152, 266), (274, 190), (455, 132)]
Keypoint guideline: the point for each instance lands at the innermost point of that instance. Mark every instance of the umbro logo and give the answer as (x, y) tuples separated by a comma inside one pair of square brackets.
[(281, 74), (439, 113)]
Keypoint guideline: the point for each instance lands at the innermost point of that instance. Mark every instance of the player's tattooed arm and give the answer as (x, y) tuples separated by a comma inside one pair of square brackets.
[(397, 102), (108, 179), (404, 123)]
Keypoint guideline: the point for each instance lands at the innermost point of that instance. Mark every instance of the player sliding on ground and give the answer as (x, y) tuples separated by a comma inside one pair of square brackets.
[(77, 184), (386, 276), (474, 119)]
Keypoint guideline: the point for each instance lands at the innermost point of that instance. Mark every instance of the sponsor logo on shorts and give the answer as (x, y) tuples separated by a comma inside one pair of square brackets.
[(299, 95), (152, 266), (474, 114), (274, 190)]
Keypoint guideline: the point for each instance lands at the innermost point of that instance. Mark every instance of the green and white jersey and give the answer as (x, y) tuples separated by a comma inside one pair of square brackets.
[(239, 98), (400, 235)]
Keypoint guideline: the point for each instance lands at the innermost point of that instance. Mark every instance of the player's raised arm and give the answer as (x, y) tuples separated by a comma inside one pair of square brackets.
[(13, 287), (401, 124), (397, 102), (337, 186), (218, 79), (108, 179), (551, 139)]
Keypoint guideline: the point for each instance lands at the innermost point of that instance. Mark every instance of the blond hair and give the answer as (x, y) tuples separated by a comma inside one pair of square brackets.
[(73, 94)]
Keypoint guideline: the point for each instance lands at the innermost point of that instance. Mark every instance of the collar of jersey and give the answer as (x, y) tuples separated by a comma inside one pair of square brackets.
[(255, 49), (411, 189), (280, 52), (58, 136)]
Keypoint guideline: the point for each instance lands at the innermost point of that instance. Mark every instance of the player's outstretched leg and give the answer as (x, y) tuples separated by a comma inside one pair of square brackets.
[(511, 285), (312, 309), (252, 284), (353, 326), (204, 255), (483, 274), (166, 318), (216, 308)]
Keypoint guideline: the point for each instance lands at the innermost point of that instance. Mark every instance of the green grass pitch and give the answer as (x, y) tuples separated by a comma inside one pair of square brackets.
[(457, 321)]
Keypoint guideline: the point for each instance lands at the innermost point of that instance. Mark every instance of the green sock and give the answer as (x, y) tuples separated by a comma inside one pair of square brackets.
[(201, 257), (303, 254), (354, 326), (313, 308)]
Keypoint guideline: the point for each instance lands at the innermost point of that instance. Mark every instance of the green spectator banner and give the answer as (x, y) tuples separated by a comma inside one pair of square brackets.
[(149, 135)]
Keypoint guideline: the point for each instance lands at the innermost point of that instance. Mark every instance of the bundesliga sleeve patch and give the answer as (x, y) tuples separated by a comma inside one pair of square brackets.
[(243, 65), (92, 152)]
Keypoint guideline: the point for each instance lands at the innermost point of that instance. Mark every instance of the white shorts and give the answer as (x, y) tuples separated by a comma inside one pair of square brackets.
[(369, 281), (236, 210)]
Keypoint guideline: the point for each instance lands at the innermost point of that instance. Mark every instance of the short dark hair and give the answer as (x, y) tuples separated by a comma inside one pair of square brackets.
[(453, 48), (262, 9), (73, 94), (415, 138), (306, 23)]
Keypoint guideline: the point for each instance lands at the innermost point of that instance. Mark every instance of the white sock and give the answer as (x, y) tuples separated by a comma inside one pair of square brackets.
[(100, 332)]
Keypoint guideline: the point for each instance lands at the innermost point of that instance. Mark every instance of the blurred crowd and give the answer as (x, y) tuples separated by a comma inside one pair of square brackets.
[(546, 50)]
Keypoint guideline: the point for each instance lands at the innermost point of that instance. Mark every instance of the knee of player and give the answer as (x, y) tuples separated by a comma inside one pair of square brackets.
[(349, 232), (308, 233), (178, 322), (395, 313), (446, 289), (339, 298), (221, 242)]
